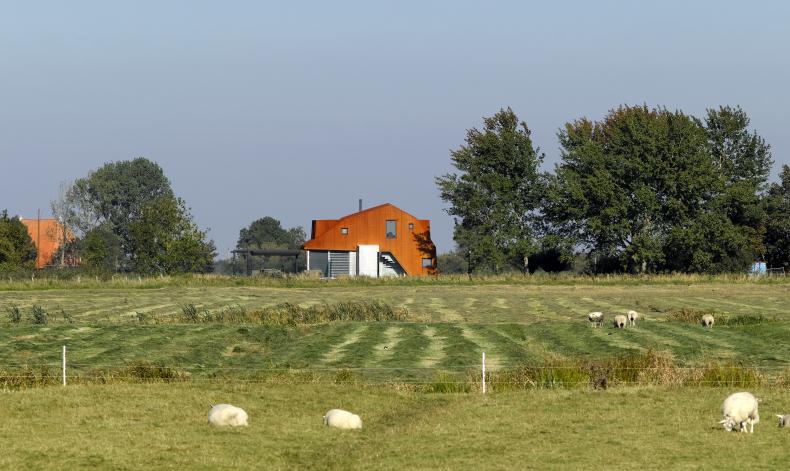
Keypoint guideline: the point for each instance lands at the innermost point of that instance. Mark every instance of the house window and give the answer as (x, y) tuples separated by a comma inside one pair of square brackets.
[(392, 231), (344, 230), (411, 227), (427, 262)]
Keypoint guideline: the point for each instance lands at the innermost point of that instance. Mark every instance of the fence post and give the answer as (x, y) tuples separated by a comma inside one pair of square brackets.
[(484, 372), (64, 365)]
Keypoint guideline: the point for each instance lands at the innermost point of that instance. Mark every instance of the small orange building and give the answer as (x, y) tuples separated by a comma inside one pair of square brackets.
[(379, 241), (47, 235)]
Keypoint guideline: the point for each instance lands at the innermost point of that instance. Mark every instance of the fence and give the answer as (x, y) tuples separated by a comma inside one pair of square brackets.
[(646, 369)]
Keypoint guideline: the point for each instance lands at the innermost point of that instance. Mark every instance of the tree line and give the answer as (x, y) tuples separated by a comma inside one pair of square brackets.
[(642, 190), (125, 217)]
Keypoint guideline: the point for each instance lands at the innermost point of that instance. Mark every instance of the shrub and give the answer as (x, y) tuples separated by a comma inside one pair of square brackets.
[(14, 314), (39, 315)]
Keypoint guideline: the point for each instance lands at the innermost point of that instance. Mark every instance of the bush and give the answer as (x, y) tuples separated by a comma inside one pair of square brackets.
[(39, 315), (14, 314)]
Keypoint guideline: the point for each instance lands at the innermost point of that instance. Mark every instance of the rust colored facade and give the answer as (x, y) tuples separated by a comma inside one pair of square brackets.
[(401, 243), (47, 235)]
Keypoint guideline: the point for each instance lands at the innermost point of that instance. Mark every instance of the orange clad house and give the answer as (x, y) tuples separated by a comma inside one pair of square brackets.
[(47, 235), (379, 241)]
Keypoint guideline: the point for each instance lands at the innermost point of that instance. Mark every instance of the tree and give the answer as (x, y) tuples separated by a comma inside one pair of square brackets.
[(268, 233), (17, 250), (777, 233), (165, 240), (624, 182), (495, 193), (114, 196), (100, 249), (453, 262)]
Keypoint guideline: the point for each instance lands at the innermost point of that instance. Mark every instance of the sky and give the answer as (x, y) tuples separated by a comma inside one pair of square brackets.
[(296, 109)]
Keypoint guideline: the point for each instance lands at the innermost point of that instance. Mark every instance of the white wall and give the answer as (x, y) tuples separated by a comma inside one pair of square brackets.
[(368, 259)]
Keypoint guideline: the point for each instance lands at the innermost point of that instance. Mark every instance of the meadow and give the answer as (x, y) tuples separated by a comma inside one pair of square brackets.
[(147, 358), (163, 426)]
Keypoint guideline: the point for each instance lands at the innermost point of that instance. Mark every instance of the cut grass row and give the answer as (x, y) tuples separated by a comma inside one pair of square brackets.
[(441, 303), (163, 426), (385, 350)]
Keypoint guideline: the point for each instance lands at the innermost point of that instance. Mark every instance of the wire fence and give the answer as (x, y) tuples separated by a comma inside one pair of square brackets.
[(645, 369)]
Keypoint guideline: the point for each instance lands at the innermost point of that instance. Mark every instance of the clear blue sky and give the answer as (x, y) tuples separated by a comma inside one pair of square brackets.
[(295, 110)]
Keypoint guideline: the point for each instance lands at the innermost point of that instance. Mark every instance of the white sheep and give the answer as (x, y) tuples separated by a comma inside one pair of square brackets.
[(707, 320), (339, 418), (620, 321), (740, 409), (784, 420), (596, 318), (632, 317), (226, 414)]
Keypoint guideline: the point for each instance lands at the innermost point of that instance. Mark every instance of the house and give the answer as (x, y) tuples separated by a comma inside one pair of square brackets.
[(379, 241), (47, 235)]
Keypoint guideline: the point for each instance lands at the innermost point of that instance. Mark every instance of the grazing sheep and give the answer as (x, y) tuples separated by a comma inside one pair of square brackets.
[(596, 318), (226, 414), (339, 418), (632, 317), (707, 320), (740, 409), (620, 321), (784, 420)]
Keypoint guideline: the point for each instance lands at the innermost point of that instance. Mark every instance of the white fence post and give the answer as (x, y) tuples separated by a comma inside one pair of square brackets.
[(484, 372), (64, 365)]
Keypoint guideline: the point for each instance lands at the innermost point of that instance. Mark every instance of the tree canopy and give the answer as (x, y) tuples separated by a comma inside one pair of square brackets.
[(495, 193), (17, 250)]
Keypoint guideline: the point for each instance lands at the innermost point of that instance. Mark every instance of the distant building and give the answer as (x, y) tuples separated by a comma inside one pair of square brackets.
[(47, 235), (379, 241)]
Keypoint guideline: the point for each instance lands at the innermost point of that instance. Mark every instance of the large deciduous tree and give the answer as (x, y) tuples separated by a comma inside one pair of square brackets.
[(777, 233), (625, 181), (164, 240), (495, 193), (17, 250)]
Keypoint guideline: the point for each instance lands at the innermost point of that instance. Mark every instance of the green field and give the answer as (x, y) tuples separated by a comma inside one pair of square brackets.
[(394, 373), (163, 426), (450, 326)]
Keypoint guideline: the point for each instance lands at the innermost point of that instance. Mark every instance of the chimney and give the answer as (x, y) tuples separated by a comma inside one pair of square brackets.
[(360, 204)]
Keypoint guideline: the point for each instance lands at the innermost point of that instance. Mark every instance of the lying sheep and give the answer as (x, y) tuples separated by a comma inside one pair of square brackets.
[(740, 409), (226, 414), (707, 320), (784, 420), (596, 318), (632, 317), (620, 321), (339, 418)]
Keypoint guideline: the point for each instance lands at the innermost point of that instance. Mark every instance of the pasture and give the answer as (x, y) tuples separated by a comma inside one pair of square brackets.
[(163, 426), (448, 327), (395, 374)]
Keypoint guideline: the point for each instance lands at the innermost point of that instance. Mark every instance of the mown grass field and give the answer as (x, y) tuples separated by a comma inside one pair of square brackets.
[(163, 426), (450, 326)]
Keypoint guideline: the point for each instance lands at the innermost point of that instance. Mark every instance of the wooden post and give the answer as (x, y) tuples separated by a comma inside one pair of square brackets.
[(484, 372), (64, 365)]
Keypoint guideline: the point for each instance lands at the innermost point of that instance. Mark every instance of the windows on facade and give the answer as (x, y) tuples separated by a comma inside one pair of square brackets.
[(392, 229), (344, 230), (427, 262), (411, 227)]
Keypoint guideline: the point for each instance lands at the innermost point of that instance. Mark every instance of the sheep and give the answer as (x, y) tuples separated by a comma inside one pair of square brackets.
[(707, 320), (226, 414), (784, 420), (632, 317), (740, 409), (620, 321), (596, 318), (339, 418)]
